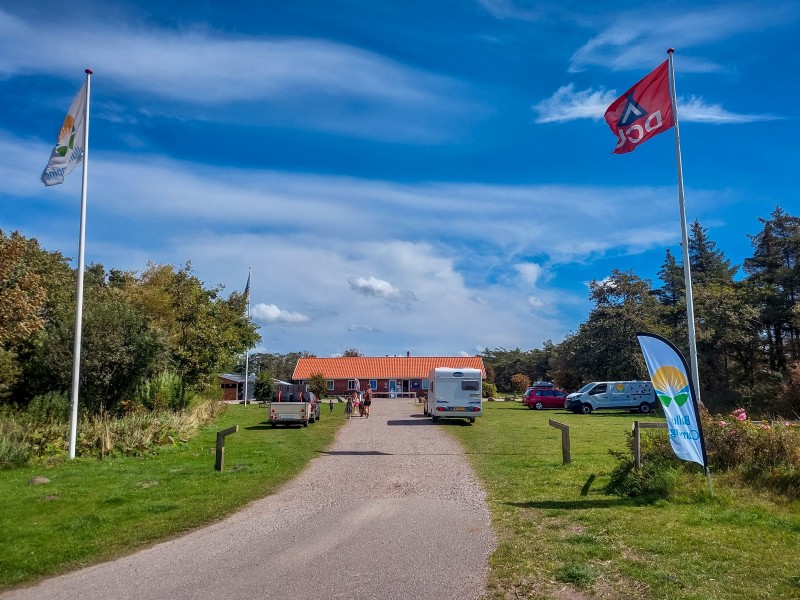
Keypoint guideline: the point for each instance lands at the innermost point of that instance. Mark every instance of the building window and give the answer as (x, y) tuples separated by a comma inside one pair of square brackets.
[(330, 385), (415, 384), (351, 384), (424, 384), (373, 384)]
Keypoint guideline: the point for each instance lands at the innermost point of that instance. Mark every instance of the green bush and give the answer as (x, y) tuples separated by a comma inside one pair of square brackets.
[(52, 407), (264, 387), (162, 392), (489, 390)]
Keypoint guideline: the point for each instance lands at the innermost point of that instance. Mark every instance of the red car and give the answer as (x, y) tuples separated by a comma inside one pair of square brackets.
[(544, 398)]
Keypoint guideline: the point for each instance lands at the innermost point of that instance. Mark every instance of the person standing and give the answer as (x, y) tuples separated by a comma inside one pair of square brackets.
[(330, 403), (367, 400), (348, 408)]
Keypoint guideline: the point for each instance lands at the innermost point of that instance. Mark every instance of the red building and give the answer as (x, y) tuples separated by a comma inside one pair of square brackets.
[(386, 375)]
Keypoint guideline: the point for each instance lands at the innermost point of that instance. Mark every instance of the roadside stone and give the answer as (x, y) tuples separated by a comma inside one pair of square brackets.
[(147, 484), (50, 498), (39, 480)]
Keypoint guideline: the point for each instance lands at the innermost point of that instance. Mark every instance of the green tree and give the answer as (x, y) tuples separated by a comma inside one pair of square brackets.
[(264, 387), (605, 346), (318, 384), (352, 352), (774, 272), (520, 383)]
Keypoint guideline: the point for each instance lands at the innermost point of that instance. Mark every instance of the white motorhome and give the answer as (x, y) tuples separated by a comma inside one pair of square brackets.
[(454, 394), (630, 395)]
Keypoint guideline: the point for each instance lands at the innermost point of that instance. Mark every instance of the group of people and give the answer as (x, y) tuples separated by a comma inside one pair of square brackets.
[(358, 405)]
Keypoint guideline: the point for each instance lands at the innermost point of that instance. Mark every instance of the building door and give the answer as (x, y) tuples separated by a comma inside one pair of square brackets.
[(406, 385), (392, 388)]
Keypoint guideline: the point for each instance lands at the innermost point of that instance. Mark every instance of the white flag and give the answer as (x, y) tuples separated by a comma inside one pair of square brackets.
[(69, 149), (670, 376)]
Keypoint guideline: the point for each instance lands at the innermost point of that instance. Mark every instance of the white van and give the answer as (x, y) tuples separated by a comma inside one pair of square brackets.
[(638, 395), (454, 394)]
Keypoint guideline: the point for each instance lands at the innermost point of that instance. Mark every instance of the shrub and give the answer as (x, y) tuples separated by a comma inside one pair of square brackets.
[(264, 387), (52, 407), (489, 390), (162, 392)]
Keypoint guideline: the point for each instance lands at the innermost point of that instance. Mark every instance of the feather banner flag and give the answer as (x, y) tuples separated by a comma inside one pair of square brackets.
[(69, 148), (673, 386)]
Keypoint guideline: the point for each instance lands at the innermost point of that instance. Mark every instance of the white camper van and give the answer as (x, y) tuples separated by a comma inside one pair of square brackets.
[(454, 394), (630, 395)]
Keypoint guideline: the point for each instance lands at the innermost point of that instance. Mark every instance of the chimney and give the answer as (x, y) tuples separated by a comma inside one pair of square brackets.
[(408, 353)]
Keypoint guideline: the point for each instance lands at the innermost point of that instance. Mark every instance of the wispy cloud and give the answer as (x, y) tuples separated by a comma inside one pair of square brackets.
[(636, 36), (306, 82), (567, 104), (508, 9)]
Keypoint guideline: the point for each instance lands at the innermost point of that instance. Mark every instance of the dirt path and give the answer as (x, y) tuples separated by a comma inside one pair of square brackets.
[(392, 510)]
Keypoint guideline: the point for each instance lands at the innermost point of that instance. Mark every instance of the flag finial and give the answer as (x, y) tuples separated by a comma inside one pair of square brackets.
[(670, 50), (89, 72)]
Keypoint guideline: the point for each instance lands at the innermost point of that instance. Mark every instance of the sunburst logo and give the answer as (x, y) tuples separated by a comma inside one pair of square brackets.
[(671, 384), (66, 137)]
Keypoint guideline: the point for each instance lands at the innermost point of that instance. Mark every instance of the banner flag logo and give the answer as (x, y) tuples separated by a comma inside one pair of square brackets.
[(670, 377)]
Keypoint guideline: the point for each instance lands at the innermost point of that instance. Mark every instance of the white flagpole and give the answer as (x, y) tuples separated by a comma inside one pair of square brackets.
[(76, 357), (687, 270), (247, 352)]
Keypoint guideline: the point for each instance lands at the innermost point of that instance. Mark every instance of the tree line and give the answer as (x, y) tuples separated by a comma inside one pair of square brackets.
[(747, 324), (153, 338)]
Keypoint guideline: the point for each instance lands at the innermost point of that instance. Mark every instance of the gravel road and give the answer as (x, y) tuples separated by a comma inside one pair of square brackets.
[(390, 511)]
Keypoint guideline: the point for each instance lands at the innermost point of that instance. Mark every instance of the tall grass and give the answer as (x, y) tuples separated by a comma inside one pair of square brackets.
[(41, 434)]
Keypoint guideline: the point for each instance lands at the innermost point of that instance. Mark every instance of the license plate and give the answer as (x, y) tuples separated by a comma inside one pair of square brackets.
[(286, 416), (459, 408)]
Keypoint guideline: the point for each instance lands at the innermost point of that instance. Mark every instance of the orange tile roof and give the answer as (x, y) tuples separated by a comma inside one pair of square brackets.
[(382, 367)]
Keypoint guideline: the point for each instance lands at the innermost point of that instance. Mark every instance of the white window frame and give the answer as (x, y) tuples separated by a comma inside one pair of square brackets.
[(373, 384), (330, 385)]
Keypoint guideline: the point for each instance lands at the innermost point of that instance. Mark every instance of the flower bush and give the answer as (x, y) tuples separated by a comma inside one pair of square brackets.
[(758, 453)]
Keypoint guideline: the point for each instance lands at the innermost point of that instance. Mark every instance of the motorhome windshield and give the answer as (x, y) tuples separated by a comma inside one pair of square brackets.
[(586, 388)]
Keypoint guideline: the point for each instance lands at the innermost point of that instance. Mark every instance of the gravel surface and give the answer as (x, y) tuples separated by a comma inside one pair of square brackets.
[(390, 511)]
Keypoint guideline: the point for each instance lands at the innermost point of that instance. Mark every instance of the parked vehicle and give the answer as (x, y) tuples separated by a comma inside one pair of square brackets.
[(538, 385), (454, 394), (628, 395), (545, 398), (293, 404)]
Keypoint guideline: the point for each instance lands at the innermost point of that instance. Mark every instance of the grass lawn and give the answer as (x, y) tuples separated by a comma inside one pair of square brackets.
[(561, 536), (95, 510)]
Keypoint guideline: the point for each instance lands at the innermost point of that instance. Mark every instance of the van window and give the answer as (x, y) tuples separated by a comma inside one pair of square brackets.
[(600, 388), (470, 385), (585, 388)]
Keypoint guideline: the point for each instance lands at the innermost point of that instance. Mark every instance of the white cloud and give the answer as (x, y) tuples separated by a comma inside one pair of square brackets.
[(535, 302), (530, 272), (372, 287), (269, 313), (567, 104), (304, 82), (637, 37)]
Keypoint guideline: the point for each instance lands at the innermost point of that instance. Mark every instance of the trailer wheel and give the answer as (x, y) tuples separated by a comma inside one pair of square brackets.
[(274, 424), (471, 420), (586, 409), (644, 408), (305, 423)]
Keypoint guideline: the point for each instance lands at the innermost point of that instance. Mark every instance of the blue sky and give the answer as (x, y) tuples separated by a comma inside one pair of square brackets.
[(433, 177)]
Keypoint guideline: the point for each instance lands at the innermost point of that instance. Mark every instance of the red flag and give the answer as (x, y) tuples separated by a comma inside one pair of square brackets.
[(642, 112)]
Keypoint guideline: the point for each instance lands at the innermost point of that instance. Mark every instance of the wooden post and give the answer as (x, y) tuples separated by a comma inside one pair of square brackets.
[(219, 465), (565, 453), (637, 439)]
